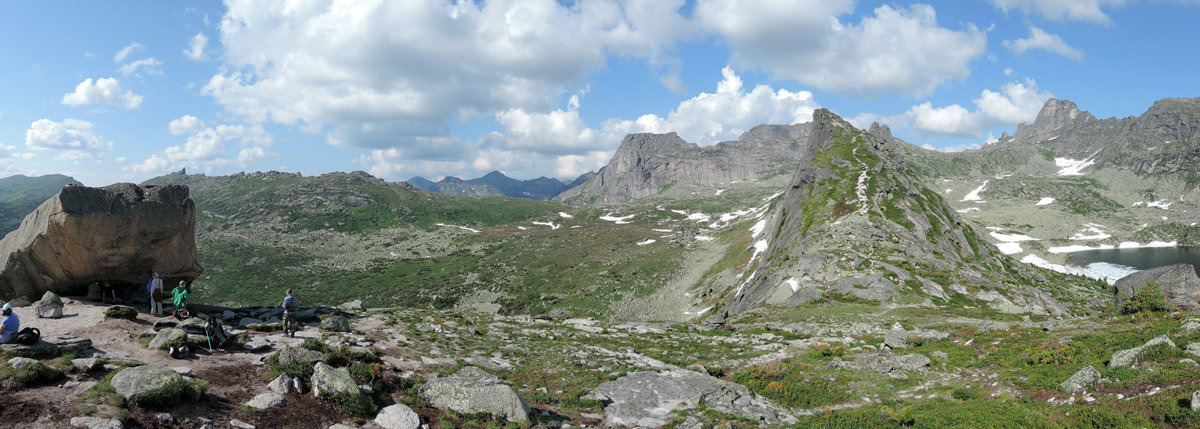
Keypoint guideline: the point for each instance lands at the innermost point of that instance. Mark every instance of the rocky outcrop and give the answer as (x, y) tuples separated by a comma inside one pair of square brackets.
[(121, 232), (649, 399), (472, 390), (330, 382), (884, 363), (1128, 357), (398, 416), (645, 163), (856, 222), (1179, 285), (297, 355), (1082, 379), (335, 324)]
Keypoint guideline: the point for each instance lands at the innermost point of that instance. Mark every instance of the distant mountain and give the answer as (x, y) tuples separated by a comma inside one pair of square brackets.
[(647, 163), (19, 195), (496, 183)]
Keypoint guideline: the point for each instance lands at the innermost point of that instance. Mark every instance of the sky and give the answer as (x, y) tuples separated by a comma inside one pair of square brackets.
[(111, 92)]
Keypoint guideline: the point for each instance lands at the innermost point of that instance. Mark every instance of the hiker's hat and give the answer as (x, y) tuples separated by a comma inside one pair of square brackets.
[(7, 307)]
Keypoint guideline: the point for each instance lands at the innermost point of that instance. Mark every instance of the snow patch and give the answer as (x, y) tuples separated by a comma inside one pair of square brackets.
[(1073, 167), (1009, 248), (564, 215), (649, 241), (1045, 201), (1010, 238), (974, 195), (759, 247), (1100, 270), (522, 228), (758, 228), (1162, 204), (1078, 248), (794, 283), (661, 230), (968, 210), (704, 238), (1096, 233), (618, 220), (699, 217), (549, 224), (476, 231), (719, 192)]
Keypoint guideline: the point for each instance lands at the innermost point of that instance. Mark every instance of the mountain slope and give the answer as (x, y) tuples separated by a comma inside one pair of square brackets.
[(856, 222), (20, 194), (495, 183)]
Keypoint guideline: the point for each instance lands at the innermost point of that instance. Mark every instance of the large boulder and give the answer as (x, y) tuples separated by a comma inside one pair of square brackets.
[(167, 336), (336, 324), (398, 416), (472, 390), (1082, 379), (49, 307), (649, 399), (330, 382), (1179, 285), (120, 232), (297, 355), (145, 379)]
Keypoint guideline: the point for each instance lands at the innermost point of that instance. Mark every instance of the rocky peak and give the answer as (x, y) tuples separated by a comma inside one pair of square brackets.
[(1055, 117), (1170, 120)]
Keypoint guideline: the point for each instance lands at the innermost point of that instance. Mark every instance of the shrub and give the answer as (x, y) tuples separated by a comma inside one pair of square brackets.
[(295, 370), (174, 392), (355, 404), (1149, 298)]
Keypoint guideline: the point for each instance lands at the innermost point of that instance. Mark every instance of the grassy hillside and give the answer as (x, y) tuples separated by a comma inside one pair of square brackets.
[(19, 195)]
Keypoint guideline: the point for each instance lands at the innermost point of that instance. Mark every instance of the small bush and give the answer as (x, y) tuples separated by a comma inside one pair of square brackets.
[(355, 404), (172, 393), (295, 370), (963, 394), (1149, 299)]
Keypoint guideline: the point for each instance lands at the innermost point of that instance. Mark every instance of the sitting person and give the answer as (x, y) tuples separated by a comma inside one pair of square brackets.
[(10, 326)]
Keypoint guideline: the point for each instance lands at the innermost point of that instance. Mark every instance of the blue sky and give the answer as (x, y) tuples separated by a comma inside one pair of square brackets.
[(124, 91)]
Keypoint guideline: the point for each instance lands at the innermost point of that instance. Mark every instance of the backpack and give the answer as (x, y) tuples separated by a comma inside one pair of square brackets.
[(28, 336)]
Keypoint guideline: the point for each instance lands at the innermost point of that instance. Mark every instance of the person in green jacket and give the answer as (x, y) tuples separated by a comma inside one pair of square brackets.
[(179, 298)]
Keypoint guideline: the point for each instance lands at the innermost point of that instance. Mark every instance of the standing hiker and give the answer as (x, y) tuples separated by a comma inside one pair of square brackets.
[(179, 298), (290, 305), (156, 295)]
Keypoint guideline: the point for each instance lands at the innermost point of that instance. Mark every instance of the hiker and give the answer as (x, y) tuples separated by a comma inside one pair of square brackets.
[(10, 326), (156, 295), (179, 298), (290, 305), (108, 292)]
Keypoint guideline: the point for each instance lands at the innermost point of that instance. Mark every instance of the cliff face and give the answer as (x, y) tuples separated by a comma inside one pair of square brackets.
[(1161, 140), (121, 232), (645, 163)]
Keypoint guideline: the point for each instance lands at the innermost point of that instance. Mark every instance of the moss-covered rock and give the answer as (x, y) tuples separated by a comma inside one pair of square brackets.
[(168, 337), (153, 386), (121, 312)]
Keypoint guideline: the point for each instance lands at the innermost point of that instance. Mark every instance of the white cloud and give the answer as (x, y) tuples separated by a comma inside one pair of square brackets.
[(1039, 39), (206, 147), (387, 74), (76, 139), (124, 52), (1015, 103), (196, 45), (897, 50), (102, 91), (149, 65), (184, 125), (1062, 10), (529, 141)]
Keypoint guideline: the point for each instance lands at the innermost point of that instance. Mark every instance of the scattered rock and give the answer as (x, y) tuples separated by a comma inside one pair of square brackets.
[(240, 424), (884, 363), (167, 335), (1083, 379), (182, 370), (281, 384), (298, 385), (1189, 326), (55, 345), (20, 301), (20, 362), (293, 355), (257, 345), (336, 324), (472, 390), (398, 416), (1195, 401), (328, 381), (898, 337), (139, 380), (192, 325), (1128, 357), (85, 364), (121, 312), (228, 315), (49, 307), (96, 423), (1178, 283), (266, 400), (649, 399), (247, 321), (355, 305), (165, 322), (1193, 349)]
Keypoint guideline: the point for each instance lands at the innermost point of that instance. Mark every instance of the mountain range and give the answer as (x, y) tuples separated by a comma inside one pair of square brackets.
[(496, 183)]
